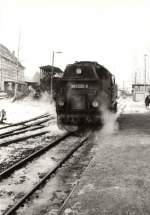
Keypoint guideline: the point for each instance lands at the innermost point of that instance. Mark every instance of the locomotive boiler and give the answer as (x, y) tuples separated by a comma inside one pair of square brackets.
[(86, 89)]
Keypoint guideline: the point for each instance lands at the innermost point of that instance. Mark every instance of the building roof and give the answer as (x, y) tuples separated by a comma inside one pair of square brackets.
[(8, 55), (48, 68)]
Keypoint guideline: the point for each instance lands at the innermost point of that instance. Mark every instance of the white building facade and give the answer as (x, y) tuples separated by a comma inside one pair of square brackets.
[(11, 71)]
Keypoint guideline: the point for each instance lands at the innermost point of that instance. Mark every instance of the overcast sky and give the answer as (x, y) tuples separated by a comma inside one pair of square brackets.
[(115, 33)]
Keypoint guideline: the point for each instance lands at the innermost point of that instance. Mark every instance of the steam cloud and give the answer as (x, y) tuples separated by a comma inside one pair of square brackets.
[(110, 124)]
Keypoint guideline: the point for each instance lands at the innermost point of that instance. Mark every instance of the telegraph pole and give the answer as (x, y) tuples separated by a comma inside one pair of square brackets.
[(135, 78), (1, 67), (18, 53), (123, 85), (145, 71), (52, 74), (1, 72), (53, 57)]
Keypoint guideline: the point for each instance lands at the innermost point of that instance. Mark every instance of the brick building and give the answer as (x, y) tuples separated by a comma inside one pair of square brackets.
[(11, 71)]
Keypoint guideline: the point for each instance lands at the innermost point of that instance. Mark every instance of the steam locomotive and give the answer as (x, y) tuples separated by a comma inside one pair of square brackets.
[(86, 88)]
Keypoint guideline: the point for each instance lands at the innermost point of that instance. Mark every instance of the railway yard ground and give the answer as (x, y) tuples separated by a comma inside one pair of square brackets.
[(108, 175), (117, 180)]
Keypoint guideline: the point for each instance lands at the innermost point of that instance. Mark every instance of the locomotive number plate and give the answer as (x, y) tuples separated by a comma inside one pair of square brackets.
[(79, 86)]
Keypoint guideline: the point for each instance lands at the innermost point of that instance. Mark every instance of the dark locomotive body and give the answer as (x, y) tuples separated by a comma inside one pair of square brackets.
[(86, 88)]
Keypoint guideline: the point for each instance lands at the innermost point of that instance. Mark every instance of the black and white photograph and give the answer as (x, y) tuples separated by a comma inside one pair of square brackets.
[(74, 107)]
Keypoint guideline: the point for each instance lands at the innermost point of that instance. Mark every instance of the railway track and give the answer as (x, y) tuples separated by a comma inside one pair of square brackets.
[(51, 172), (25, 121), (24, 127), (19, 164)]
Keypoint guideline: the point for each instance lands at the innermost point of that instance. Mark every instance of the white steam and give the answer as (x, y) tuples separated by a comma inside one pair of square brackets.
[(109, 128), (50, 107), (110, 124), (54, 130), (48, 102)]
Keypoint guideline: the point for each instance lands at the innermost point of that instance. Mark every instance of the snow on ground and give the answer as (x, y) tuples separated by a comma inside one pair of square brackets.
[(127, 105), (25, 109)]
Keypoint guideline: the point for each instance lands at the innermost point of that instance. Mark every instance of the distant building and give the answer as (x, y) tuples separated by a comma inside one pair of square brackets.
[(49, 77), (48, 72), (11, 71), (139, 91)]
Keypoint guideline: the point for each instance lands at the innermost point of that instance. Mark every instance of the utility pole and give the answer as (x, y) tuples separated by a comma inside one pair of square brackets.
[(53, 57), (18, 55), (52, 74), (135, 78), (123, 85), (1, 71), (145, 71), (1, 67)]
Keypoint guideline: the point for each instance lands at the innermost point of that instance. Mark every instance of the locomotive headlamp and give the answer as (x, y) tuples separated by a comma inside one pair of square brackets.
[(60, 102), (78, 71), (95, 104)]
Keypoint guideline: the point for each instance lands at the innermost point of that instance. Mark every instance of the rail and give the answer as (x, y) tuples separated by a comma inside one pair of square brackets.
[(43, 180), (19, 164)]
